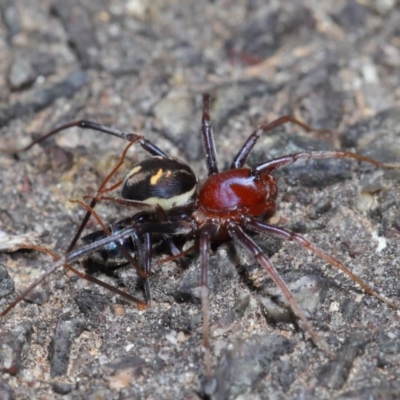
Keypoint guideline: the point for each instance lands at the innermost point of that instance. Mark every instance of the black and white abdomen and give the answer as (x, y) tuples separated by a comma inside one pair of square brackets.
[(164, 181)]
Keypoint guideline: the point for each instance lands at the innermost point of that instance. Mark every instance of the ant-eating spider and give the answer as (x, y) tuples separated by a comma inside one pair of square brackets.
[(226, 206)]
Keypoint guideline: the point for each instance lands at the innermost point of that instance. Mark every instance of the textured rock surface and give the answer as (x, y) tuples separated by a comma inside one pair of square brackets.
[(143, 66)]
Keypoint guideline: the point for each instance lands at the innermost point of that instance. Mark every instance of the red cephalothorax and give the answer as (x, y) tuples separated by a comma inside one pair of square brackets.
[(239, 191)]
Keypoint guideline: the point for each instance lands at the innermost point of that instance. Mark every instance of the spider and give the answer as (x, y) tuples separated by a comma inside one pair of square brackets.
[(228, 205)]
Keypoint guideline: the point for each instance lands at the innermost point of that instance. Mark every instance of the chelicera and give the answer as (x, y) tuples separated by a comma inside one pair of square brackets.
[(228, 205)]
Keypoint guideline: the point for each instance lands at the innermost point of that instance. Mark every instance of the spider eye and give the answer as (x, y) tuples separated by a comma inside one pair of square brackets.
[(164, 181)]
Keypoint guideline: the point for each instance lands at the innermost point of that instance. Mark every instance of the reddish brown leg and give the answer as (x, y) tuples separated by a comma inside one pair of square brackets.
[(208, 138), (100, 190), (154, 208), (285, 234), (77, 235), (179, 255), (82, 275), (205, 234), (90, 211), (244, 240), (94, 126), (289, 159), (183, 228), (241, 157)]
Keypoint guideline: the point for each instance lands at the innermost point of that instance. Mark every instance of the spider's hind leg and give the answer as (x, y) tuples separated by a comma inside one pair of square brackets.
[(237, 233), (285, 234)]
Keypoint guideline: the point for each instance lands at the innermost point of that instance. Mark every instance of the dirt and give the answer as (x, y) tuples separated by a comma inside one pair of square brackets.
[(143, 68)]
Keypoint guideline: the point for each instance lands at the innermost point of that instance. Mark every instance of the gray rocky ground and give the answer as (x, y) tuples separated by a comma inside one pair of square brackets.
[(141, 66)]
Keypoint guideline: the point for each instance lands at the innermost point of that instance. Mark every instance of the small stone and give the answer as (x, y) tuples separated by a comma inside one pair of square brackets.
[(67, 330), (245, 362), (175, 112), (62, 387), (309, 291), (6, 283), (12, 346), (5, 391), (21, 73)]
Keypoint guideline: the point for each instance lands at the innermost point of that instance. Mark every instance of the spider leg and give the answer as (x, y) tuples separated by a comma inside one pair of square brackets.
[(241, 157), (178, 228), (206, 232), (94, 201), (289, 159), (160, 213), (208, 138), (94, 126), (144, 248), (144, 252), (90, 211), (84, 124), (123, 250), (184, 228), (174, 228), (237, 233), (144, 257), (154, 208), (82, 275), (285, 234), (181, 254)]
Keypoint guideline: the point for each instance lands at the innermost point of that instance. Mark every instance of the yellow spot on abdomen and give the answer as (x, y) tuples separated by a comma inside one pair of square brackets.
[(156, 177), (134, 171)]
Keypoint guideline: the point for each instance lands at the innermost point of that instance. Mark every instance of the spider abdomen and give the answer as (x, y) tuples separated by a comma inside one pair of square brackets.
[(164, 181), (239, 190)]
